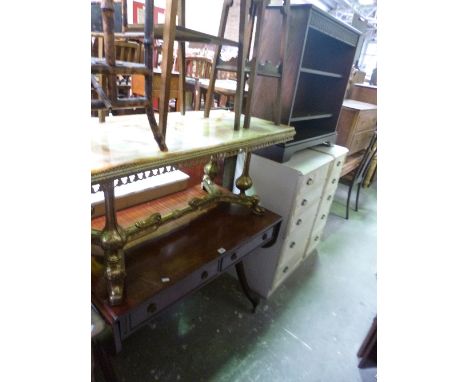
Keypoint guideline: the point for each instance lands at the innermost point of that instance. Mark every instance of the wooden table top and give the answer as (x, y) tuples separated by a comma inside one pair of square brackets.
[(179, 254), (358, 105), (124, 145)]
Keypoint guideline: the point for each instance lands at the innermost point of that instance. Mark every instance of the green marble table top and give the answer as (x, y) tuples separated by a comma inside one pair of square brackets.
[(124, 145)]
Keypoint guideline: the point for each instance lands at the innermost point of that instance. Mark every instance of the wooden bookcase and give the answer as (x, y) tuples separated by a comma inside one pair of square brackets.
[(319, 56)]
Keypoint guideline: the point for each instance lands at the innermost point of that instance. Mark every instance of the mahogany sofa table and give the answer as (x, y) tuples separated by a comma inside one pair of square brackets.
[(160, 272)]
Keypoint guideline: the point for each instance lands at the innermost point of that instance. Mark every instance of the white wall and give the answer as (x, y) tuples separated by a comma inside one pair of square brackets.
[(201, 15)]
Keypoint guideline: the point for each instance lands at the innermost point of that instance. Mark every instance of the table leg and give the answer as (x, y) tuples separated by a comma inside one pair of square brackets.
[(245, 286), (113, 239)]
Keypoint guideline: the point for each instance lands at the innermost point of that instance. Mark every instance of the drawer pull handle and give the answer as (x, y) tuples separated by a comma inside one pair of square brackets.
[(151, 308), (323, 216), (234, 256), (292, 244), (304, 202), (285, 269), (309, 181), (316, 238), (334, 181), (204, 275), (265, 236), (299, 222), (329, 197)]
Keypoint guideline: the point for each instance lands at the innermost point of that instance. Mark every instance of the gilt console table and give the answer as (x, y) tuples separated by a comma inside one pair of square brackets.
[(134, 258)]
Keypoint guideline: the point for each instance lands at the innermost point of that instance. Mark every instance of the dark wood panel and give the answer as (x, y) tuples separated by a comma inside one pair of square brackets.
[(269, 49)]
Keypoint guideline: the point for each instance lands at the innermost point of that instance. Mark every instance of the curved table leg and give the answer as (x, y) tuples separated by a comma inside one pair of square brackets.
[(245, 286)]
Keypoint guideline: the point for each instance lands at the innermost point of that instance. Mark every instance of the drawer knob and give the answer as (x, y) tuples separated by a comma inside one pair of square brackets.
[(299, 221), (309, 181), (204, 275), (292, 244), (265, 236), (304, 202), (316, 238), (323, 216), (285, 269), (338, 163), (234, 256), (329, 197), (151, 308), (334, 181)]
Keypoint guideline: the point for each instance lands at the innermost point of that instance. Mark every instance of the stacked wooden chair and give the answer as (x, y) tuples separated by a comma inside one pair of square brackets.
[(110, 68), (251, 15)]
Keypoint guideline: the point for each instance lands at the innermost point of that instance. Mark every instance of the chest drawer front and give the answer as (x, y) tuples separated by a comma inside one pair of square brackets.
[(309, 183), (294, 245), (332, 184), (306, 202), (238, 253), (303, 217), (316, 235), (336, 167), (154, 305), (366, 120), (361, 141)]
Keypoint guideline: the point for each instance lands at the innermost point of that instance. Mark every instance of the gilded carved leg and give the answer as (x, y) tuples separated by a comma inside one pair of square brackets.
[(215, 195), (113, 239), (243, 183), (211, 170)]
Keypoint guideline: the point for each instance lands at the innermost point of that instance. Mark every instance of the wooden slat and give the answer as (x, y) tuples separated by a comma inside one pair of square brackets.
[(167, 60), (99, 66)]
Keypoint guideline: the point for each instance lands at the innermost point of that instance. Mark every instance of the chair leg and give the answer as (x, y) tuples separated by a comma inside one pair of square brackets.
[(357, 196), (349, 198)]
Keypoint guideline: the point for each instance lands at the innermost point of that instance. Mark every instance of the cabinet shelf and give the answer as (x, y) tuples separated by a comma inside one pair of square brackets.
[(310, 116), (321, 73)]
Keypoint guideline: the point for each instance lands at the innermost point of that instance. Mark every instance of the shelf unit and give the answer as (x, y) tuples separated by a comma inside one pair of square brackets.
[(319, 57)]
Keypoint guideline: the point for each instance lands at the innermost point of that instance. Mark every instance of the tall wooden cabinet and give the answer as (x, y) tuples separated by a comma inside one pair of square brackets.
[(301, 190), (318, 60)]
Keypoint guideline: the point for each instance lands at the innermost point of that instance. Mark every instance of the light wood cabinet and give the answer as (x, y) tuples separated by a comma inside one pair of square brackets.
[(356, 125)]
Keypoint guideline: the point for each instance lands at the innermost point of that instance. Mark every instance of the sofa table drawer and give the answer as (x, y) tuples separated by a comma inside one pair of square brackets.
[(238, 253), (171, 294), (308, 183)]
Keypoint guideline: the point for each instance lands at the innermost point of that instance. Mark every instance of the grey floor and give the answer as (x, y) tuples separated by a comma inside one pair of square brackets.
[(309, 330)]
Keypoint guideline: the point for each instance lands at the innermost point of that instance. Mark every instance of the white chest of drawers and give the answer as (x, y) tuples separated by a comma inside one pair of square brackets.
[(301, 191)]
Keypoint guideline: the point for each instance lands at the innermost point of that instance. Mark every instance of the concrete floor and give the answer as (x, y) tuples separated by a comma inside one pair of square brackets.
[(309, 330)]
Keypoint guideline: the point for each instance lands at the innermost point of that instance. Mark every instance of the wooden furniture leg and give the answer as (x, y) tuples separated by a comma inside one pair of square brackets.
[(253, 63), (159, 132), (167, 59), (245, 286), (214, 71), (181, 103), (241, 57), (100, 358)]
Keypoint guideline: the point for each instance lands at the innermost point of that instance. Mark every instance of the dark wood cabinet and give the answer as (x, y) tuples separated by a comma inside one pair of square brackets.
[(318, 60)]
